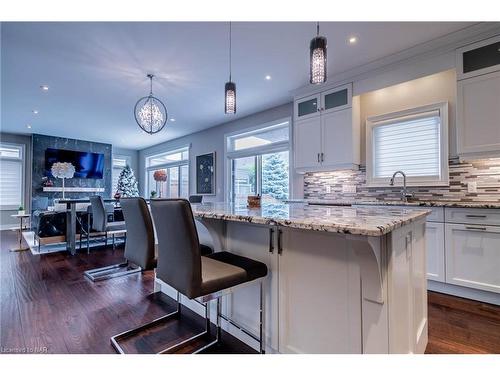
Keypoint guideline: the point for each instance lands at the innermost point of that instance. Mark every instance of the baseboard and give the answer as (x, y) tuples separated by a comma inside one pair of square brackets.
[(464, 292)]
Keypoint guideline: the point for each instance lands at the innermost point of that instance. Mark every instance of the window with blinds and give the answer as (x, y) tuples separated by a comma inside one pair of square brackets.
[(414, 142), (11, 176)]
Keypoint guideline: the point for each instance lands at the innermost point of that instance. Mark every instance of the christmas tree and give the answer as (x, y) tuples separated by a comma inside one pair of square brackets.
[(127, 184), (275, 176)]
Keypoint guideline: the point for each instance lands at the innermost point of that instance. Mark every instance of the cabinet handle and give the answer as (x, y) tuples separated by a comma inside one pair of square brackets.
[(322, 157), (271, 240), (477, 216), (280, 245), (318, 157), (475, 228)]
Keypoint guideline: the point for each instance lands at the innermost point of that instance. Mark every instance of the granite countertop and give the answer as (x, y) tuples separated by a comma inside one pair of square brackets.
[(457, 204), (369, 221)]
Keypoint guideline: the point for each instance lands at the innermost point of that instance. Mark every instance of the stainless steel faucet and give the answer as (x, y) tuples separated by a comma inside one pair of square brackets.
[(404, 193)]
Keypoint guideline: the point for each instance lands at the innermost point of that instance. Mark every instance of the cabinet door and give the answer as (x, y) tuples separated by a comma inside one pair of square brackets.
[(336, 99), (473, 256), (242, 306), (478, 58), (319, 294), (478, 114), (307, 142), (337, 138), (435, 251), (307, 107)]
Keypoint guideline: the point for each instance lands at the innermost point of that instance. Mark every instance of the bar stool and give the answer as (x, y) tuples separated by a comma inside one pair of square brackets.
[(200, 278), (139, 247), (195, 198)]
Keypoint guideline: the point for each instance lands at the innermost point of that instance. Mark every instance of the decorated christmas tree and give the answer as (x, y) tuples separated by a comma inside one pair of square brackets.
[(275, 176), (127, 184)]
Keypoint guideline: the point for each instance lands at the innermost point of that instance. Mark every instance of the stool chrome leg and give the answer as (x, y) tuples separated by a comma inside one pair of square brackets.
[(262, 331), (219, 314)]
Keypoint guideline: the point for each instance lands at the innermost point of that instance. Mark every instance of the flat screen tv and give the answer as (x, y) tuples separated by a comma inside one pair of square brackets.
[(87, 164)]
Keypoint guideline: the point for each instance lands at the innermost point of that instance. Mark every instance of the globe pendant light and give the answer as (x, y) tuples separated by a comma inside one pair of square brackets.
[(318, 58), (150, 112), (230, 87)]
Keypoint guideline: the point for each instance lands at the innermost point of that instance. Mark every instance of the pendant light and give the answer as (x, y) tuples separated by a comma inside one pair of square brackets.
[(150, 112), (230, 87), (318, 58)]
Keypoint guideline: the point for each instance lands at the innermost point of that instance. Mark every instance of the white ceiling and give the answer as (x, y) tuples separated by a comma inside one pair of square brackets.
[(97, 71)]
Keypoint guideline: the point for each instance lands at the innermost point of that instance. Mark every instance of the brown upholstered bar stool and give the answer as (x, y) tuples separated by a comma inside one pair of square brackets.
[(140, 244), (200, 278)]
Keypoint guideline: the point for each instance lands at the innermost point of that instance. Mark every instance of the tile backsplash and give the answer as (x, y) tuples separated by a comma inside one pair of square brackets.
[(338, 185)]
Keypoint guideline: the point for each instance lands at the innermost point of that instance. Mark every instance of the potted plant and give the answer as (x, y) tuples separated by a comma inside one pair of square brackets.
[(20, 210), (153, 194)]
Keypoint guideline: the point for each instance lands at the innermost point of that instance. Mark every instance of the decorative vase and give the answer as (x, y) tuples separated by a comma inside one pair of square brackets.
[(20, 212)]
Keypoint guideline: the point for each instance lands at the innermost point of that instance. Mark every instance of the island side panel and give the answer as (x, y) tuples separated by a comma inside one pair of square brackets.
[(407, 289), (319, 294)]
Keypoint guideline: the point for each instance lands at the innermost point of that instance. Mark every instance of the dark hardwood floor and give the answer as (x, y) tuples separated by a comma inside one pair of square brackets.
[(48, 306)]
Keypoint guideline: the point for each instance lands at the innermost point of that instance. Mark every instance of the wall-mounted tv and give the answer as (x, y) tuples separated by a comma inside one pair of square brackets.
[(87, 164)]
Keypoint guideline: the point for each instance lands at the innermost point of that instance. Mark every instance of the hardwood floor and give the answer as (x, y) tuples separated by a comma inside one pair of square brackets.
[(48, 306)]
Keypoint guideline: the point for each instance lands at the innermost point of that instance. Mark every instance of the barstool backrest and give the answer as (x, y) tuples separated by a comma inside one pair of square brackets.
[(99, 217), (179, 258), (140, 244)]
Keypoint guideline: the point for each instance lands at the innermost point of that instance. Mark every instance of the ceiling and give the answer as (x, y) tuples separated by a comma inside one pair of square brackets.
[(97, 71)]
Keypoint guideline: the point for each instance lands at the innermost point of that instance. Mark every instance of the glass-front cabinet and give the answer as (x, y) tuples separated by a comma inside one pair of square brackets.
[(478, 58), (334, 99), (307, 107)]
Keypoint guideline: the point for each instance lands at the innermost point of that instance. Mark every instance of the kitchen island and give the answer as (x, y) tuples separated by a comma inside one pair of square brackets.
[(341, 279)]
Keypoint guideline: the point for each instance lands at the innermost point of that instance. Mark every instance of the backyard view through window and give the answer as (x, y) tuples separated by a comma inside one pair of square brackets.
[(259, 162)]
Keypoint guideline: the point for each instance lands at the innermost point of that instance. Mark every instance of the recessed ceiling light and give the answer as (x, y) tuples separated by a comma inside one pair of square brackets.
[(353, 39), (35, 111), (172, 119), (268, 77), (44, 88), (28, 126)]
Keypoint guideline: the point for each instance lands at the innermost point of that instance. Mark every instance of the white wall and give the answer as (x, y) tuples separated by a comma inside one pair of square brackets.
[(212, 139)]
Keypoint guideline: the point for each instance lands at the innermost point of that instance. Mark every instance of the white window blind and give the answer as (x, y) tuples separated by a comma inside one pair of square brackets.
[(11, 176), (410, 143)]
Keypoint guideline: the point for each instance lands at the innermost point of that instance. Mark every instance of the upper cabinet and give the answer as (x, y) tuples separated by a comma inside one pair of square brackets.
[(478, 99), (326, 131)]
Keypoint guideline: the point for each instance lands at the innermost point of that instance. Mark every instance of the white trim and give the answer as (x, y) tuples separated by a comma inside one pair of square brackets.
[(375, 121)]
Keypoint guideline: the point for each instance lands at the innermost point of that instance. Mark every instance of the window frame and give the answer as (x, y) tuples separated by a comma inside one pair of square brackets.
[(418, 181), (21, 159), (257, 151), (178, 164)]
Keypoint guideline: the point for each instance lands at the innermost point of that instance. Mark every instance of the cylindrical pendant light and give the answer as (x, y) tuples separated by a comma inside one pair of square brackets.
[(230, 87), (318, 58)]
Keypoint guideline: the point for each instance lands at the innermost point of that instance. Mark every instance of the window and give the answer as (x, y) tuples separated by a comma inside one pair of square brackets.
[(11, 176), (413, 141), (119, 162), (167, 174), (258, 162)]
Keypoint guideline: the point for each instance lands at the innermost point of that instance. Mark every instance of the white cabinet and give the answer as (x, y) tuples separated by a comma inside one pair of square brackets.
[(478, 115), (318, 286), (253, 241), (307, 150), (473, 256), (478, 58), (435, 251), (326, 131)]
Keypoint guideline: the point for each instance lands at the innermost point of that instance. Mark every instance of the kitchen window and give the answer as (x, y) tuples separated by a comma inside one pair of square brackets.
[(167, 174), (414, 141), (258, 162), (11, 176)]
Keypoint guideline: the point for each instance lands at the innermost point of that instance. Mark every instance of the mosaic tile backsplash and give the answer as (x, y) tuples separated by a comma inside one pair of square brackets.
[(485, 172)]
